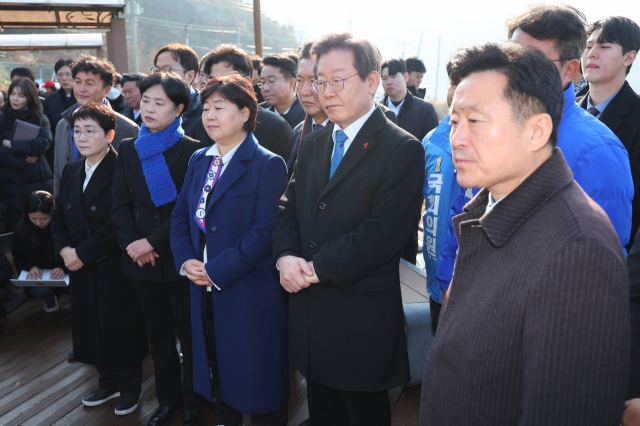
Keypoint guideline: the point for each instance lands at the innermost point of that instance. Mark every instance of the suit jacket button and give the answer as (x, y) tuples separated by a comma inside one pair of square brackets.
[(312, 245), (157, 215), (137, 215), (321, 206), (93, 208), (214, 229), (70, 231), (68, 206)]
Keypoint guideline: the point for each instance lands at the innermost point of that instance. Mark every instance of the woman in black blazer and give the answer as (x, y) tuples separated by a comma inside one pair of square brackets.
[(149, 174), (106, 320)]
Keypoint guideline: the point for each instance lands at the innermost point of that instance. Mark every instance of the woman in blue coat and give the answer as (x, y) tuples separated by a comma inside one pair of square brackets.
[(221, 240)]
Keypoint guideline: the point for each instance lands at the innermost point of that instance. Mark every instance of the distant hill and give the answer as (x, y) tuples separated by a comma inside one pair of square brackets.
[(210, 22)]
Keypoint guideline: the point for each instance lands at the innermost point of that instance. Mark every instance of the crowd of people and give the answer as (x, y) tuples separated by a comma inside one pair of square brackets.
[(258, 210)]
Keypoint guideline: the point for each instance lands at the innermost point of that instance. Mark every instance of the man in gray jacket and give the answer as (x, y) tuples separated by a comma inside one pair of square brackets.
[(92, 81), (535, 329)]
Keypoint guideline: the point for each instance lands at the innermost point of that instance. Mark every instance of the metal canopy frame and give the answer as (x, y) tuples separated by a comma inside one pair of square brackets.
[(50, 41), (78, 14)]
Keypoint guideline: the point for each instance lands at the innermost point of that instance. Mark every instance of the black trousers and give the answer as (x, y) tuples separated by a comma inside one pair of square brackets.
[(167, 312), (333, 407), (226, 415), (124, 381), (435, 308)]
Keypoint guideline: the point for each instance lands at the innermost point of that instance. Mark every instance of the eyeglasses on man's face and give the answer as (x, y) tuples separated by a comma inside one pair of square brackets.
[(269, 81), (168, 68), (336, 83)]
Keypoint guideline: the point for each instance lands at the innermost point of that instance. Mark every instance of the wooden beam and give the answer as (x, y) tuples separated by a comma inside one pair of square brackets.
[(257, 27)]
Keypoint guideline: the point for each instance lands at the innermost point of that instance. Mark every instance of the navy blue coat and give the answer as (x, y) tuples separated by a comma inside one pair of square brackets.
[(250, 309)]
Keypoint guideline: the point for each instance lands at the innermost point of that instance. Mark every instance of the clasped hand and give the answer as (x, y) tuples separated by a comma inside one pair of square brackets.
[(141, 252), (71, 259), (196, 272), (296, 273)]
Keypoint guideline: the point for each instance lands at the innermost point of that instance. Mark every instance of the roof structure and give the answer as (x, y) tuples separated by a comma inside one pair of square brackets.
[(50, 41), (80, 14)]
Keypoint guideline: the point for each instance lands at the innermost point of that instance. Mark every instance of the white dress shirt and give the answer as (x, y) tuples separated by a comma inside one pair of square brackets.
[(392, 107), (88, 172), (211, 152), (352, 130)]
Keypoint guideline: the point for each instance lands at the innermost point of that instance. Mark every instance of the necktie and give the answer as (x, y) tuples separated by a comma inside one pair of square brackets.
[(594, 111), (338, 151), (317, 127)]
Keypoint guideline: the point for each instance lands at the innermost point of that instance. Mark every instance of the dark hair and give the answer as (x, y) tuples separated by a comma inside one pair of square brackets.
[(237, 89), (96, 66), (5, 97), (181, 53), (175, 87), (36, 202), (23, 73), (452, 72), (118, 78), (62, 63), (285, 63), (395, 65), (564, 25), (135, 77), (415, 64), (366, 56), (533, 82), (29, 90), (256, 61), (618, 30), (305, 50), (98, 112), (233, 55)]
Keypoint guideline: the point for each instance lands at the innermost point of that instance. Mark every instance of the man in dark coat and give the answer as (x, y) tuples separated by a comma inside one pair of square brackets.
[(610, 98), (272, 131), (132, 96), (56, 103), (278, 87), (525, 336), (339, 232)]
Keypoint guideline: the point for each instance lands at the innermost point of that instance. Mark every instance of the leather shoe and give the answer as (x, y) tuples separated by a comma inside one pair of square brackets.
[(192, 417), (163, 415)]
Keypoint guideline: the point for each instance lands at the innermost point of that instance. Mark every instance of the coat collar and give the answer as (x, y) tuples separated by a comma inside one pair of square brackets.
[(234, 170), (408, 101), (507, 216), (363, 143), (619, 107)]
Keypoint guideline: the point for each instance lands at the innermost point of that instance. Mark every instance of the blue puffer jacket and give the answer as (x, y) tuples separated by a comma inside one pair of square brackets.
[(600, 165), (439, 189)]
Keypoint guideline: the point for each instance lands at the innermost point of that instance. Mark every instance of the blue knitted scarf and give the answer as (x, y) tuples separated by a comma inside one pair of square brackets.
[(150, 147)]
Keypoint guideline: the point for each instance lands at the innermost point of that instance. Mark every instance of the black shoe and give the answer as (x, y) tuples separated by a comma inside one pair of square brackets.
[(127, 403), (99, 396), (192, 417), (70, 356), (163, 415)]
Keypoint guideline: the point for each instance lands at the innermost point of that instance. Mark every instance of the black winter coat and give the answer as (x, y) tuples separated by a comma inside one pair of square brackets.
[(107, 324), (17, 177), (135, 216)]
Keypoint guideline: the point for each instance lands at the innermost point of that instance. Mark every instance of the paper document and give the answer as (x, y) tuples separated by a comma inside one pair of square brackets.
[(46, 280)]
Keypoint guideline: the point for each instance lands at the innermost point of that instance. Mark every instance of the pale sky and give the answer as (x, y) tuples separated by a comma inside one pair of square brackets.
[(396, 26)]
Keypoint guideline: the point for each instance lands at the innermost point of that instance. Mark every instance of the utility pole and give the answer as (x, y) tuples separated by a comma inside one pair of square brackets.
[(186, 33), (237, 26), (420, 44), (133, 10), (435, 96), (257, 27)]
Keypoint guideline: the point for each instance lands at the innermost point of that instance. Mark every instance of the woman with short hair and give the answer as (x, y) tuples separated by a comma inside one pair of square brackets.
[(221, 240), (106, 320), (149, 174)]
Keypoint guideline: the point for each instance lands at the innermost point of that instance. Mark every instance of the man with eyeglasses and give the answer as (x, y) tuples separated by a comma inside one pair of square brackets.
[(340, 229), (184, 61), (272, 131), (56, 103), (92, 81), (278, 87)]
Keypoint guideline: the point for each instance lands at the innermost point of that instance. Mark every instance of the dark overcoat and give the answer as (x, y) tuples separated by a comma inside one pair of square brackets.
[(348, 331), (622, 117), (106, 319), (134, 214), (535, 330), (250, 309)]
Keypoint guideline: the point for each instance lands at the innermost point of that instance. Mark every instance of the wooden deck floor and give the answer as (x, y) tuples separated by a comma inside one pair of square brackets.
[(39, 386)]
